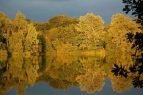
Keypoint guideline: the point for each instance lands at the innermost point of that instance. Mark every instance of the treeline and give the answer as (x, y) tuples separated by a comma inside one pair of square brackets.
[(63, 34)]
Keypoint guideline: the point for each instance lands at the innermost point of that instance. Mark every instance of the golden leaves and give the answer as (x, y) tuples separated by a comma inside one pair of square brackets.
[(119, 27), (91, 27), (3, 55), (90, 23), (93, 78)]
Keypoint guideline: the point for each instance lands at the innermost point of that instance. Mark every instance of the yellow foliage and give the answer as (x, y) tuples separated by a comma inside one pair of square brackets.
[(119, 27), (3, 55)]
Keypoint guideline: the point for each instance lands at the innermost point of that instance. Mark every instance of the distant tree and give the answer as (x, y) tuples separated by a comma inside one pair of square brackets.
[(41, 27), (57, 21)]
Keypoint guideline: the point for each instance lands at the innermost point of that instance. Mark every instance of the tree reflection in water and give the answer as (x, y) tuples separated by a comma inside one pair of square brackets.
[(64, 71), (136, 69)]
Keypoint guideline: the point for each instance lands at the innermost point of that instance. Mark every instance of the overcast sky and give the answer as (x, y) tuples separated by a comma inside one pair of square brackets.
[(42, 10)]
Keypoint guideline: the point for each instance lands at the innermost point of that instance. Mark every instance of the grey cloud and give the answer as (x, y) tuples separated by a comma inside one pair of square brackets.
[(60, 0), (42, 10)]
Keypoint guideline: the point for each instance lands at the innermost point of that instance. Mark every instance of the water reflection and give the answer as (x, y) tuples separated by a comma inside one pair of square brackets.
[(63, 72), (134, 71)]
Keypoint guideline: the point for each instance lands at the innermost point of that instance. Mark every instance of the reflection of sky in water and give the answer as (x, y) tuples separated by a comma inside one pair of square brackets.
[(45, 89)]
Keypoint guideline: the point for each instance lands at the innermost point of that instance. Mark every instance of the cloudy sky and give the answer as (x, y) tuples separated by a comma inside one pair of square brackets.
[(42, 10)]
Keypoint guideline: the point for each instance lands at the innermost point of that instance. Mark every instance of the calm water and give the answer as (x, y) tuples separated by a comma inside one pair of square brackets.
[(45, 89), (68, 75)]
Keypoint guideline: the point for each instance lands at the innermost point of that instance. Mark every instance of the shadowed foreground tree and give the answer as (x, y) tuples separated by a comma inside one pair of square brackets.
[(136, 6)]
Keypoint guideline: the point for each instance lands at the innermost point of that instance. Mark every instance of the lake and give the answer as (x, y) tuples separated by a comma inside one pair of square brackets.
[(67, 74)]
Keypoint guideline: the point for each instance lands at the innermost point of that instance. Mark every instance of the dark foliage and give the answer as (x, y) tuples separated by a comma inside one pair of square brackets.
[(136, 6), (137, 82), (130, 37), (136, 39), (119, 71)]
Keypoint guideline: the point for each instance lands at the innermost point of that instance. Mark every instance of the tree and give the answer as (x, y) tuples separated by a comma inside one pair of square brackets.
[(57, 21), (20, 23), (119, 27), (17, 34), (91, 30), (41, 27), (15, 44), (22, 38), (62, 33), (30, 41), (5, 29)]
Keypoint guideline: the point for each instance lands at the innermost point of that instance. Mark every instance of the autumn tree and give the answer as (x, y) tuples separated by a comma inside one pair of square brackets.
[(62, 32), (15, 44), (23, 37), (31, 43), (17, 33), (41, 27), (5, 30), (57, 21), (119, 27), (4, 24), (91, 30), (20, 23)]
